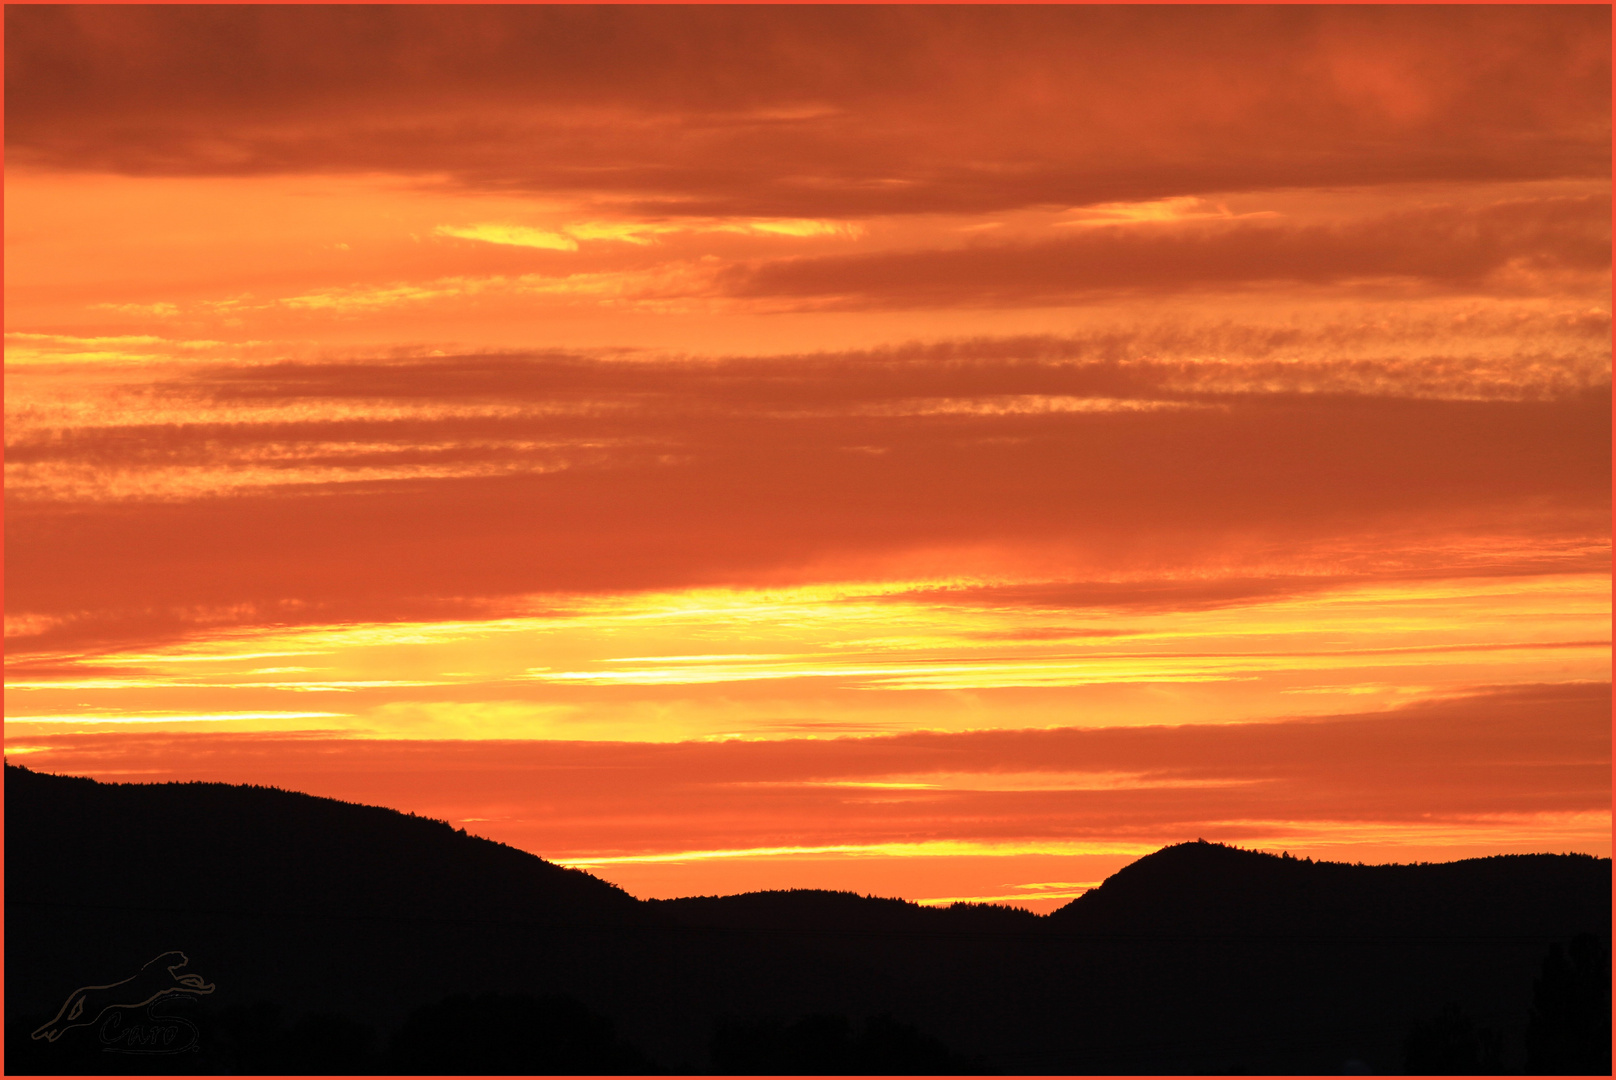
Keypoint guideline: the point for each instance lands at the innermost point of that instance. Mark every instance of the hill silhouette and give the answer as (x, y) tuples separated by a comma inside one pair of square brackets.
[(343, 938), (819, 910), (1212, 889)]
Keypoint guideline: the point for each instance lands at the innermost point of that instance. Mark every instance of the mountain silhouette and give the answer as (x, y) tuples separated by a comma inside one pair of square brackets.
[(346, 939)]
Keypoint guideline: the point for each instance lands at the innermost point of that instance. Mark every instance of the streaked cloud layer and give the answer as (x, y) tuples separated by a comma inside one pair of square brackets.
[(801, 387), (1501, 770)]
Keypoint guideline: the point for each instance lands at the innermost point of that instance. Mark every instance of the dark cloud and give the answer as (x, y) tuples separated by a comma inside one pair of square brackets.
[(834, 110)]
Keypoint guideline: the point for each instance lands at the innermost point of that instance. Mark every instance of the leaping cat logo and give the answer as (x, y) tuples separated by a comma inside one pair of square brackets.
[(159, 977)]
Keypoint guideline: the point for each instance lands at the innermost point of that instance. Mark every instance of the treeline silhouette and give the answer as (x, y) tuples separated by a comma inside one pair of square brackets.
[(342, 939), (484, 1035), (1568, 1033), (825, 1045)]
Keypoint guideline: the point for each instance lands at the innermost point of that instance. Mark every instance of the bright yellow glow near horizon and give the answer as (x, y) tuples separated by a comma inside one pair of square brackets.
[(726, 663)]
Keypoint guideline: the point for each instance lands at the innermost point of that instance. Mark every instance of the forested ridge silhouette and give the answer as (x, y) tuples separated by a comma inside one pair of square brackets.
[(341, 938)]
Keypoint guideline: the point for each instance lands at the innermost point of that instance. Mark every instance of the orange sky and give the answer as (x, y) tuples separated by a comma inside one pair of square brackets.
[(940, 452)]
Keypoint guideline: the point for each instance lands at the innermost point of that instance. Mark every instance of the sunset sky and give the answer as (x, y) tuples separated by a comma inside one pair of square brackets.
[(941, 452)]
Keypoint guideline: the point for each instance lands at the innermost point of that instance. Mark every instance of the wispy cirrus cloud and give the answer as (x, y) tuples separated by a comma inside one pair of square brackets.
[(567, 236), (1436, 247), (745, 466), (1505, 760)]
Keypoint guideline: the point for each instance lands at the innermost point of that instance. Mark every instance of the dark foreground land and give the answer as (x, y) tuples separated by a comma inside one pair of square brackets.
[(323, 937)]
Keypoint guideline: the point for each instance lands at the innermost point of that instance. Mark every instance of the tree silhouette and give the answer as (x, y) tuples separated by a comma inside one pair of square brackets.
[(1452, 1045), (827, 1045), (510, 1034), (1569, 1033)]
